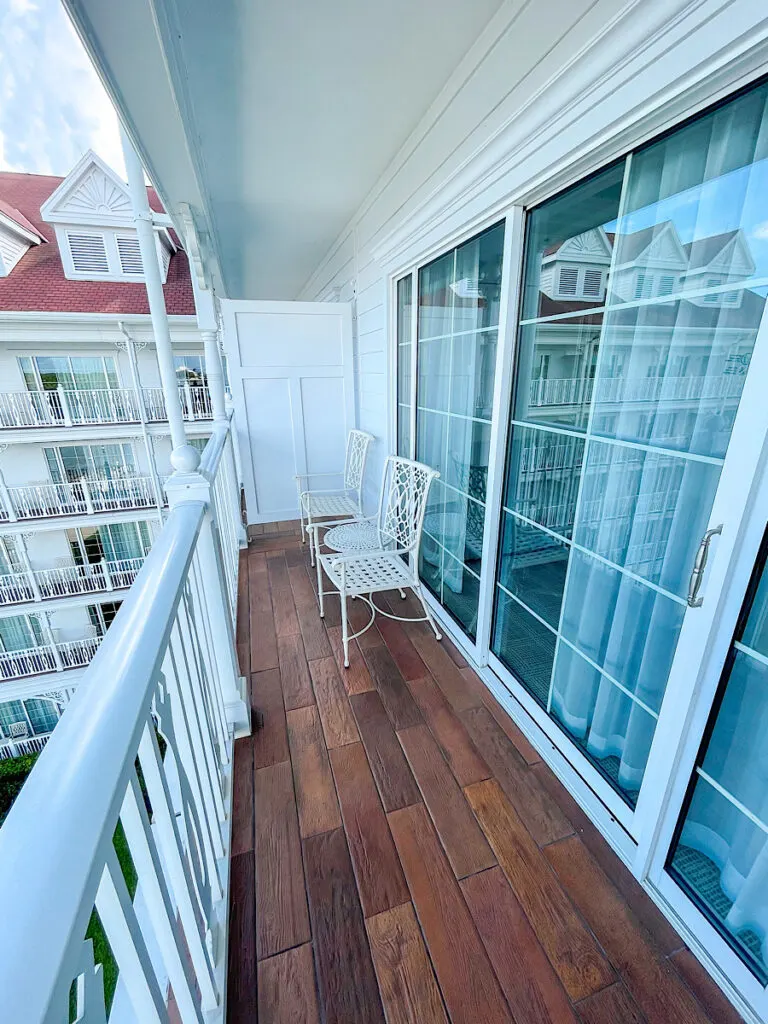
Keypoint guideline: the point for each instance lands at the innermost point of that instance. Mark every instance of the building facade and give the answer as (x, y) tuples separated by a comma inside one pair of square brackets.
[(84, 439)]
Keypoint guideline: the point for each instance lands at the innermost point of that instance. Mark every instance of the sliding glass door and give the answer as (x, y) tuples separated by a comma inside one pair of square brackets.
[(643, 291), (720, 851), (459, 298)]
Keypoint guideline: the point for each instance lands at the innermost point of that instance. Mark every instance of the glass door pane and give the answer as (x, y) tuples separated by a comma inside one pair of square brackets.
[(720, 852), (644, 288), (404, 360), (458, 320)]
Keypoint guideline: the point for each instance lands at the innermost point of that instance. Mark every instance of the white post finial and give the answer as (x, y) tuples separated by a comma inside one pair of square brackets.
[(142, 216)]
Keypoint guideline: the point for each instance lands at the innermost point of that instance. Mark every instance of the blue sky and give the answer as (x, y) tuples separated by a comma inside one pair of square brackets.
[(52, 104)]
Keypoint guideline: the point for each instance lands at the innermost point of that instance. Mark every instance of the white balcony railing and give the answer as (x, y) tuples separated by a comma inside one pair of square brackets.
[(99, 494), (66, 407), (620, 390), (24, 745), (35, 661), (166, 666), (68, 580), (195, 403)]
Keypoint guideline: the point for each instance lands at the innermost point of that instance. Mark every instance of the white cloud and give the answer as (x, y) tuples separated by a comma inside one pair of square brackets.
[(761, 230), (52, 104)]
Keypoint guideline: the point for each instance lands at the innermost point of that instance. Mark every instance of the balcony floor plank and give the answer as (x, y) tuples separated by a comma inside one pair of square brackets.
[(344, 905)]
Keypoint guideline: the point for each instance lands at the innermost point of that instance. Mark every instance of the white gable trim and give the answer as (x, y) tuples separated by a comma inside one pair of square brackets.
[(56, 208), (647, 259), (32, 237)]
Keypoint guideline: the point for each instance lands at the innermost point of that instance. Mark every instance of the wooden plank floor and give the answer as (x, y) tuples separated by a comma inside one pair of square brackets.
[(401, 853)]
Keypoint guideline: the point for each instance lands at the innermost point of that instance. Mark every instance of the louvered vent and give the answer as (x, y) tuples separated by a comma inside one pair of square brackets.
[(593, 281), (89, 254), (568, 279), (130, 255)]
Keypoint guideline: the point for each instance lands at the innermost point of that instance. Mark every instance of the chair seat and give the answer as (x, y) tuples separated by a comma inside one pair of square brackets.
[(329, 504), (369, 575), (352, 537)]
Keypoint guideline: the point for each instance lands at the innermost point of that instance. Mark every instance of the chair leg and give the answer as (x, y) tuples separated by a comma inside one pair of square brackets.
[(311, 533), (320, 587), (344, 629), (428, 613)]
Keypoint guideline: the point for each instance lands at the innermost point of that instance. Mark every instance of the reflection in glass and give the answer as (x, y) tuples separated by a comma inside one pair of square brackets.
[(459, 298), (528, 646), (645, 511), (532, 566), (543, 474), (644, 287)]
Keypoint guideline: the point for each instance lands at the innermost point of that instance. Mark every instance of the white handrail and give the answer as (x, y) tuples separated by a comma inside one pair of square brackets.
[(166, 666), (71, 406), (97, 494), (68, 580)]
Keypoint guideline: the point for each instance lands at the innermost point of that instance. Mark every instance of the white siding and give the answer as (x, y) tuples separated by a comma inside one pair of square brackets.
[(529, 105), (12, 248)]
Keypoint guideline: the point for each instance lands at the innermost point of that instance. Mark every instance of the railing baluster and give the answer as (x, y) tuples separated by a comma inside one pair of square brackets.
[(193, 678), (178, 866), (158, 901), (220, 715), (118, 918), (191, 754)]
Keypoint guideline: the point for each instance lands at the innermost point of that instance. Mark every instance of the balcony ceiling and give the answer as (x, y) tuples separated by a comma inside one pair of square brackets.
[(273, 119)]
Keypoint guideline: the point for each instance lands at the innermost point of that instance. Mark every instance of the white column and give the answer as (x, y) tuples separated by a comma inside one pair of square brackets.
[(45, 622), (184, 457), (21, 547), (5, 494), (214, 373), (131, 348)]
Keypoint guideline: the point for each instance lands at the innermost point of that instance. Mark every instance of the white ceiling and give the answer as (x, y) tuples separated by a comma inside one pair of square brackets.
[(291, 111)]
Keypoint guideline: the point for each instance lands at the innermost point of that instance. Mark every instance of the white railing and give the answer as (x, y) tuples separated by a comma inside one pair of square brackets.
[(195, 403), (100, 494), (166, 668), (68, 580), (33, 661), (578, 391), (24, 745), (66, 407)]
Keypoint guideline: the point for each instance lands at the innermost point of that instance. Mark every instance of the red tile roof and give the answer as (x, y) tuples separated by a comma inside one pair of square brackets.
[(37, 282)]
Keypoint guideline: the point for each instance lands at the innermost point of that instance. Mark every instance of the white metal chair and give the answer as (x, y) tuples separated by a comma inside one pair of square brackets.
[(346, 501), (393, 564)]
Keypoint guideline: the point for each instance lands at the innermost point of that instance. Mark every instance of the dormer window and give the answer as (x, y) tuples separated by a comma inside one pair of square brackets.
[(106, 255), (581, 283), (91, 212)]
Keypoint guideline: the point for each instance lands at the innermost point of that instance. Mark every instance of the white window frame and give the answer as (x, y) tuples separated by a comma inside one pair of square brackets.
[(584, 782), (69, 357)]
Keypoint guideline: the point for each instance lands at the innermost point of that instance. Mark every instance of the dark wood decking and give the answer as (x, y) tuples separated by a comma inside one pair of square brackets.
[(400, 852)]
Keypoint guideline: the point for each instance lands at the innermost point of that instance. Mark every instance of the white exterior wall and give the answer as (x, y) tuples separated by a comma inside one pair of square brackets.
[(517, 122), (23, 461)]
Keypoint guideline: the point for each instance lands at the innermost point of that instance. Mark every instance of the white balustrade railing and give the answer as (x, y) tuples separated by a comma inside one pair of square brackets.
[(99, 494), (68, 580), (33, 661), (26, 745), (195, 403), (65, 407), (580, 390), (165, 669)]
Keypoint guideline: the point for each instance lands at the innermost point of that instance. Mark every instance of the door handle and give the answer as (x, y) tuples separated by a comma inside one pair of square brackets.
[(699, 564)]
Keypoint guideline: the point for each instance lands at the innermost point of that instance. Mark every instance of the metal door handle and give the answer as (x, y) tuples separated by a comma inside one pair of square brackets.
[(699, 564)]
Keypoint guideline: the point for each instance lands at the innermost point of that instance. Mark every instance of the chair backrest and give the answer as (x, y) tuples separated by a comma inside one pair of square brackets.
[(403, 502), (358, 443)]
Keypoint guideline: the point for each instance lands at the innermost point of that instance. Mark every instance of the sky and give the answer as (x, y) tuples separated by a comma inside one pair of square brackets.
[(52, 104)]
